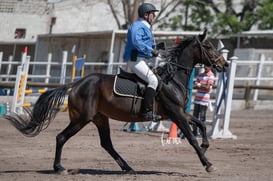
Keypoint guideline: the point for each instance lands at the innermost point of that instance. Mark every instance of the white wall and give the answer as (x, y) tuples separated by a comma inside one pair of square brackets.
[(84, 17), (72, 16), (32, 23)]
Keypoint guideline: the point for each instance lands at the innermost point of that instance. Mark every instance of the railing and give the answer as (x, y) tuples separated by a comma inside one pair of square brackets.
[(254, 75), (251, 75), (64, 66)]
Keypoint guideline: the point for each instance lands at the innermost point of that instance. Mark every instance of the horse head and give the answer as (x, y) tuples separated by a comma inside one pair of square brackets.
[(208, 55), (199, 49)]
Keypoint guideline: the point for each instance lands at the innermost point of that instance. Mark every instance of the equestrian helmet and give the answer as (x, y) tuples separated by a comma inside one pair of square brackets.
[(145, 8)]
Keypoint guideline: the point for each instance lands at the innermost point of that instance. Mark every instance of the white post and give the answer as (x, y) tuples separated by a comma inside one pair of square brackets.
[(9, 67), (1, 59), (230, 85), (16, 89), (218, 106), (49, 60), (259, 74), (110, 64), (219, 100), (63, 69), (20, 85), (111, 54)]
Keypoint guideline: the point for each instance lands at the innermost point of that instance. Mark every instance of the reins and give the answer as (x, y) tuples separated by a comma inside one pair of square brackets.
[(204, 53)]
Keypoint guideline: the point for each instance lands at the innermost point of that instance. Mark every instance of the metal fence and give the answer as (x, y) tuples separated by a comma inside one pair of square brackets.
[(64, 68), (253, 79)]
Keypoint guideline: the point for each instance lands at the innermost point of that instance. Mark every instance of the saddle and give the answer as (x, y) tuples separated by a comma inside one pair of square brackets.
[(129, 85)]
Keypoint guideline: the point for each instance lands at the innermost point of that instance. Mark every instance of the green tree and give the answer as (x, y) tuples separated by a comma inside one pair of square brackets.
[(265, 15), (221, 18)]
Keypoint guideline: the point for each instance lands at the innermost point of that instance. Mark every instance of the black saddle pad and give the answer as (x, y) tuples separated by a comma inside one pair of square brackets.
[(127, 88)]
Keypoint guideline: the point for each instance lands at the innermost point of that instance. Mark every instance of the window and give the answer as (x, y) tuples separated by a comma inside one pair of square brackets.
[(20, 33)]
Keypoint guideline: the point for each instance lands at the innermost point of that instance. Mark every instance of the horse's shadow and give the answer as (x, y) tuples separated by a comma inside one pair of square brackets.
[(119, 172), (102, 172)]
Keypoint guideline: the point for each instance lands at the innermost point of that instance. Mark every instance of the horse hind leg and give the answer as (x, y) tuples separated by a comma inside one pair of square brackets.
[(102, 123), (75, 125)]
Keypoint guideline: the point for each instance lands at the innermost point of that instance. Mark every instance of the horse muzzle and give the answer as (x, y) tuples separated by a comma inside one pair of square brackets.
[(221, 68)]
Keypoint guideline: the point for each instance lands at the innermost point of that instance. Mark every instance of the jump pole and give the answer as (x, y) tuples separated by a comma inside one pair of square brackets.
[(223, 101), (20, 84), (21, 81)]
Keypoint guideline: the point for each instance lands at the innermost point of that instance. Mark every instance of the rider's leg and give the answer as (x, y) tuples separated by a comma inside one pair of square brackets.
[(141, 69), (148, 113)]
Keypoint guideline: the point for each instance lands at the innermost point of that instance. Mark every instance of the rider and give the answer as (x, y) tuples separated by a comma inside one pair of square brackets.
[(140, 48)]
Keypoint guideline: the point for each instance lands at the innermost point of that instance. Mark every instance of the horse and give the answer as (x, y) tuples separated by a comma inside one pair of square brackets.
[(91, 99)]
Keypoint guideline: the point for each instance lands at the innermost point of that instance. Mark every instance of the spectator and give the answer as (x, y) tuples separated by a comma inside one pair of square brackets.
[(203, 84)]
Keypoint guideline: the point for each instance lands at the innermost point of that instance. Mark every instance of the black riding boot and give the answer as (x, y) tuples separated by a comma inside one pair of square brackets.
[(148, 114)]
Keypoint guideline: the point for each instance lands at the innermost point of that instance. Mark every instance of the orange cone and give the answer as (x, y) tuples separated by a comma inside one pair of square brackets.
[(173, 131)]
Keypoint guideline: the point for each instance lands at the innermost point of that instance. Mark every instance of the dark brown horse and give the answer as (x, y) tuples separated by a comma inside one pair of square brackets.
[(92, 99)]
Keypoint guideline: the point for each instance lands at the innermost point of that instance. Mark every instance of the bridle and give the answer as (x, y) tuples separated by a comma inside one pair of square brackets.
[(205, 55), (172, 65)]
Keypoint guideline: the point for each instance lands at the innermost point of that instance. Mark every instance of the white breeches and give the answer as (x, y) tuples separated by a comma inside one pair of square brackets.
[(142, 70)]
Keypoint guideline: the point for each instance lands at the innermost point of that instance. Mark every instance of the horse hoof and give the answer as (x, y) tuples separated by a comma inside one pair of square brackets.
[(62, 172), (73, 171), (131, 172), (211, 169)]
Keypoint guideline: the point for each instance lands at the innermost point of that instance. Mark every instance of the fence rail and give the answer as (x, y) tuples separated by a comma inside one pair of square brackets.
[(64, 65), (257, 75), (251, 75)]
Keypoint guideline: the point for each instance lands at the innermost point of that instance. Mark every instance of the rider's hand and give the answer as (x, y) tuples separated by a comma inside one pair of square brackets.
[(161, 46), (155, 53)]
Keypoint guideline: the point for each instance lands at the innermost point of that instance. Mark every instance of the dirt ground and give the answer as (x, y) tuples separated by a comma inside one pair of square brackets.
[(249, 157)]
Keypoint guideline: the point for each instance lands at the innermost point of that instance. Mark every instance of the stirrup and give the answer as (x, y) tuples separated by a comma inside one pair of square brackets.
[(151, 116)]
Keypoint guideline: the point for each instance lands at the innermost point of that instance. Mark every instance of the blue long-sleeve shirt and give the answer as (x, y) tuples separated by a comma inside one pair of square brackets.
[(140, 38)]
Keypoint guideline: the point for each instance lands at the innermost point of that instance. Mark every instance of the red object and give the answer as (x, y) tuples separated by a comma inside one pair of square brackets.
[(25, 50), (177, 40), (173, 131)]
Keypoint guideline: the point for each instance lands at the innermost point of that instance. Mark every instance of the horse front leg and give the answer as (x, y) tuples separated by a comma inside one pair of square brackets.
[(102, 123), (186, 129), (202, 126)]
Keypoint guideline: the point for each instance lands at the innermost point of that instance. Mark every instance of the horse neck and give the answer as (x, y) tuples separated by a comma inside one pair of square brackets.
[(183, 76), (187, 62), (183, 73), (187, 58)]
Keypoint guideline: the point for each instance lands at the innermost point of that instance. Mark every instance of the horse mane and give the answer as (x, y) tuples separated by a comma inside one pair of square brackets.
[(177, 49), (168, 70)]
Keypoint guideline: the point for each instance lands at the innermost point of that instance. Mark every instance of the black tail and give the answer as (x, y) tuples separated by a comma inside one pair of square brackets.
[(44, 111)]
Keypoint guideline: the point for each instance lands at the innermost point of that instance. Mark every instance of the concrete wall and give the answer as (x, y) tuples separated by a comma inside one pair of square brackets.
[(32, 24), (27, 14), (83, 16), (71, 16)]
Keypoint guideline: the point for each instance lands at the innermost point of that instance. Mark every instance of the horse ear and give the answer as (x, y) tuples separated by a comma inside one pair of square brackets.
[(204, 36)]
